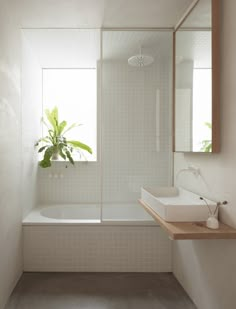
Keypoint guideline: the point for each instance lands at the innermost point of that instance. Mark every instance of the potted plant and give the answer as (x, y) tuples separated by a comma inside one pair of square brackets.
[(55, 144)]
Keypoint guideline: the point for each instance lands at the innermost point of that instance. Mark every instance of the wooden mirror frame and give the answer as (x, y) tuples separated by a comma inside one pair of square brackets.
[(215, 11)]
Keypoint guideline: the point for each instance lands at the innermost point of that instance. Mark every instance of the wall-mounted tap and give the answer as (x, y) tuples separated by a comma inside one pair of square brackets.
[(190, 169)]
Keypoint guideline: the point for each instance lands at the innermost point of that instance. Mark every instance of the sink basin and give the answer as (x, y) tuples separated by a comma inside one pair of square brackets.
[(177, 204)]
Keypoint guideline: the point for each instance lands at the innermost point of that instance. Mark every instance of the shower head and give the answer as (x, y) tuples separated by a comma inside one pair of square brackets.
[(140, 60)]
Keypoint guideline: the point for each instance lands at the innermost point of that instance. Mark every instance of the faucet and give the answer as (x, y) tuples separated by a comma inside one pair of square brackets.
[(190, 169)]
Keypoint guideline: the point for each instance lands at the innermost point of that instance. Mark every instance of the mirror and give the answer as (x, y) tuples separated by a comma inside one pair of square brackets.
[(196, 82)]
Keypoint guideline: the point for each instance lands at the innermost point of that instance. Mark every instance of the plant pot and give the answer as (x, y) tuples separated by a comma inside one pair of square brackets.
[(55, 155)]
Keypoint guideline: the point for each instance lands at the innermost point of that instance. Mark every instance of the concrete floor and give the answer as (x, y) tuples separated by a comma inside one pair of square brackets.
[(99, 291)]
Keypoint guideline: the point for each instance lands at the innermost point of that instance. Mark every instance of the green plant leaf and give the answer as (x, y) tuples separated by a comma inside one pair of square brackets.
[(78, 144), (53, 137), (62, 154), (208, 124), (42, 148), (61, 146), (54, 114), (68, 154), (61, 127), (206, 146), (45, 123), (44, 139), (51, 132), (52, 117), (74, 125), (45, 164)]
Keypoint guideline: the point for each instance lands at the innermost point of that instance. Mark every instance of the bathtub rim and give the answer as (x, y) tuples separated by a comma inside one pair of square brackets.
[(34, 217)]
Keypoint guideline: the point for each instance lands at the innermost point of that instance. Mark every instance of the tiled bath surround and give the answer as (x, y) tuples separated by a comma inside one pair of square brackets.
[(96, 248)]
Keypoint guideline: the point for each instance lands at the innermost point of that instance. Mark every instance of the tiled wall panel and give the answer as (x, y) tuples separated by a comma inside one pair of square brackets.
[(64, 183), (96, 248), (133, 155)]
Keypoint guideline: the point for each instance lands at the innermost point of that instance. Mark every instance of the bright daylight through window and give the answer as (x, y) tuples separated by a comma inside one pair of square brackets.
[(74, 92), (202, 116)]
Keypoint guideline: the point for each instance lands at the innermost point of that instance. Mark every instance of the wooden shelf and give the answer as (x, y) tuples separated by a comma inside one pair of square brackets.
[(191, 230)]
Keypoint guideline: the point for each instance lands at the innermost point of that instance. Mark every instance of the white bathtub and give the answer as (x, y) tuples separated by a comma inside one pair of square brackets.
[(89, 213)]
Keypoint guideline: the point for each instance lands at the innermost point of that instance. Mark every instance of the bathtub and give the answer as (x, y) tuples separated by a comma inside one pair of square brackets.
[(122, 213), (64, 238)]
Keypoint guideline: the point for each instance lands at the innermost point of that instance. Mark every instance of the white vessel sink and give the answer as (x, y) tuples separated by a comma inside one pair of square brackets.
[(177, 204)]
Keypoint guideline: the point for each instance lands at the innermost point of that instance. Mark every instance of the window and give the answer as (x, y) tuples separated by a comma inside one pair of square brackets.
[(74, 92), (202, 116)]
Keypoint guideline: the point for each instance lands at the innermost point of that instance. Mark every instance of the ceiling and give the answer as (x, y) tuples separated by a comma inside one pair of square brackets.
[(200, 17), (97, 13), (120, 45), (66, 48), (51, 27), (194, 46)]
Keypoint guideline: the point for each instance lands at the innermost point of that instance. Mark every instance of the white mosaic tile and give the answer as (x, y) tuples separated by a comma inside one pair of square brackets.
[(96, 248)]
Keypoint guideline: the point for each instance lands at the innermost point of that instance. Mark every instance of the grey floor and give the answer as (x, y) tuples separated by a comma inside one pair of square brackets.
[(99, 291)]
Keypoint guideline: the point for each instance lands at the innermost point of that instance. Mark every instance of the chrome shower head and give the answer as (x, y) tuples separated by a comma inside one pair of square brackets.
[(140, 60)]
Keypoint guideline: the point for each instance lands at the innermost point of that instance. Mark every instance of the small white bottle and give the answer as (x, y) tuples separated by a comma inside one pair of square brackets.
[(212, 222)]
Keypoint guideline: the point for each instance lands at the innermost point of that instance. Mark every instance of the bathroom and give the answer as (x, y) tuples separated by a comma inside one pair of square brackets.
[(132, 148)]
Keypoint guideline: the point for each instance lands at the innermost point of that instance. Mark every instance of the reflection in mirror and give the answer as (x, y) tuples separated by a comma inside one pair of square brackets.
[(193, 81), (193, 91)]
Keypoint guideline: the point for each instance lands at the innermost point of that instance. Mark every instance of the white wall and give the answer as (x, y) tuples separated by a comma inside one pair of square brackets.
[(31, 80), (207, 269), (10, 154)]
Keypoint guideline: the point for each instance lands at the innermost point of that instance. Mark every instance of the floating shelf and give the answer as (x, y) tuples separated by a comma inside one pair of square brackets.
[(191, 230)]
